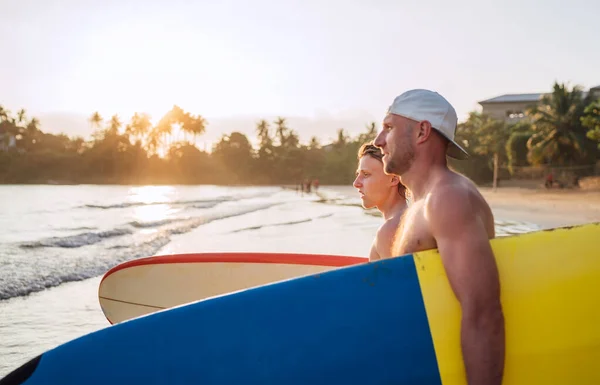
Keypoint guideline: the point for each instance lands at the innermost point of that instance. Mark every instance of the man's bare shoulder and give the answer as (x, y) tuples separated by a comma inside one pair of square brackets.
[(456, 200), (453, 192)]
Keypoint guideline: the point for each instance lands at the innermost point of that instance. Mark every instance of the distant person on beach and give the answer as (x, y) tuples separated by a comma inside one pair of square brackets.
[(382, 191), (448, 213), (307, 185), (549, 180)]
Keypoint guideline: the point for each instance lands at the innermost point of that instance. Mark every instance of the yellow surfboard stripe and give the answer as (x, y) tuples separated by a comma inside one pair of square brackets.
[(551, 299)]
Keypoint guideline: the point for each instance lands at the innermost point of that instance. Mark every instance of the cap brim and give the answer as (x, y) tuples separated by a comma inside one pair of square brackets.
[(454, 149), (457, 152)]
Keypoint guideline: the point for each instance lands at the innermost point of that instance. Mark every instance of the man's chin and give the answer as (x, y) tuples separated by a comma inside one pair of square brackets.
[(388, 170)]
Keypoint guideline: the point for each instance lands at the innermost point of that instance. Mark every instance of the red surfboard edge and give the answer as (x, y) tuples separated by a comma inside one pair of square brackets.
[(242, 257)]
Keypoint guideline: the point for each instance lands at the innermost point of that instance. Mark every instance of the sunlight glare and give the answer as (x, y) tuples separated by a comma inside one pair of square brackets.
[(152, 213), (155, 203), (151, 194)]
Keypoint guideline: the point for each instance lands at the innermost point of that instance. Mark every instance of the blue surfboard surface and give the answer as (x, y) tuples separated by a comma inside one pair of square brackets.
[(364, 324)]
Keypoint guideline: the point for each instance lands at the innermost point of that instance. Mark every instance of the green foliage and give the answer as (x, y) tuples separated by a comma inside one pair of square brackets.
[(482, 137), (563, 129), (559, 137), (139, 152), (516, 149), (591, 121)]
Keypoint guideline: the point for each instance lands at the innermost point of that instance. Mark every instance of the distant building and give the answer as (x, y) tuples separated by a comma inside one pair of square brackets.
[(512, 107)]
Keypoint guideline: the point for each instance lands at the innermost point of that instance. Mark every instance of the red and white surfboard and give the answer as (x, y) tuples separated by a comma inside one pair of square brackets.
[(147, 285)]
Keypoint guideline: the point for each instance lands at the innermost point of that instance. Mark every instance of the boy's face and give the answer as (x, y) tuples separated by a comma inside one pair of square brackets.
[(372, 183)]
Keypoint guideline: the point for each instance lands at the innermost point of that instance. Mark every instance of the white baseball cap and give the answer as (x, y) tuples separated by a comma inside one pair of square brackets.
[(427, 105)]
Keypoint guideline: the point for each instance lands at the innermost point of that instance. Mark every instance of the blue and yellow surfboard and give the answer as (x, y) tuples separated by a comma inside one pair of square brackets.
[(394, 321)]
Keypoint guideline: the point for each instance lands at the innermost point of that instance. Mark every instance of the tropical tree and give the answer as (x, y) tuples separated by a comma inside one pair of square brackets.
[(32, 126), (281, 131), (314, 143), (234, 152), (591, 121), (139, 127), (96, 120), (4, 113), (516, 145), (192, 124), (369, 135), (153, 141), (559, 136), (21, 116), (485, 136), (114, 125)]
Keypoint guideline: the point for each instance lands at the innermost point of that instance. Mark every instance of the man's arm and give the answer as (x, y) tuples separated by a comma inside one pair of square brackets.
[(469, 262)]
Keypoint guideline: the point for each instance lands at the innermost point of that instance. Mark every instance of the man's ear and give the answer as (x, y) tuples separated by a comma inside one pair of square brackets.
[(423, 129), (395, 180)]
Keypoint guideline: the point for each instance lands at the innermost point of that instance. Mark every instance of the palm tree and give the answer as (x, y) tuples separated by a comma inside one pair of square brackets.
[(262, 132), (265, 153), (281, 130), (559, 136), (163, 130), (114, 125), (96, 119), (139, 127), (31, 131), (153, 141), (21, 116), (194, 125)]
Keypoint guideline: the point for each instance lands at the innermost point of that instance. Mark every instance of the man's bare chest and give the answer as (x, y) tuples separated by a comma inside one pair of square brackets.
[(413, 233)]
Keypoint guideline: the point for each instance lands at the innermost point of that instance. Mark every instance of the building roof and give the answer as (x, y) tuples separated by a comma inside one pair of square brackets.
[(520, 98), (514, 98)]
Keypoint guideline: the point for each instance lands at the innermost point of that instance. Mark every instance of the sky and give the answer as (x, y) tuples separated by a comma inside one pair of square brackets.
[(323, 65)]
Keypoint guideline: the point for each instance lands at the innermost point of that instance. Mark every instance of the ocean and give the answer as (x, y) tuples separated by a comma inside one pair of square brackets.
[(57, 241)]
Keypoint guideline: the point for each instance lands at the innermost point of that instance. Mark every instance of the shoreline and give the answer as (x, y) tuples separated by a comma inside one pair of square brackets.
[(593, 187), (547, 209)]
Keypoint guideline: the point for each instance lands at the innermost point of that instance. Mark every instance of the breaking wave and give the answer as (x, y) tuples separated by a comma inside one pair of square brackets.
[(78, 240), (54, 261)]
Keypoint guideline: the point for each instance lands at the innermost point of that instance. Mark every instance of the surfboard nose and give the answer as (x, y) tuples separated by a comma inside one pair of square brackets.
[(22, 373)]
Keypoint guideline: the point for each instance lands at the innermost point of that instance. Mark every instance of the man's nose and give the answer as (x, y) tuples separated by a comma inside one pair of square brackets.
[(379, 140), (356, 182)]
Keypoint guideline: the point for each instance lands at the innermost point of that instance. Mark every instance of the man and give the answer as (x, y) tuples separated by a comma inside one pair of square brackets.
[(382, 191), (448, 213)]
